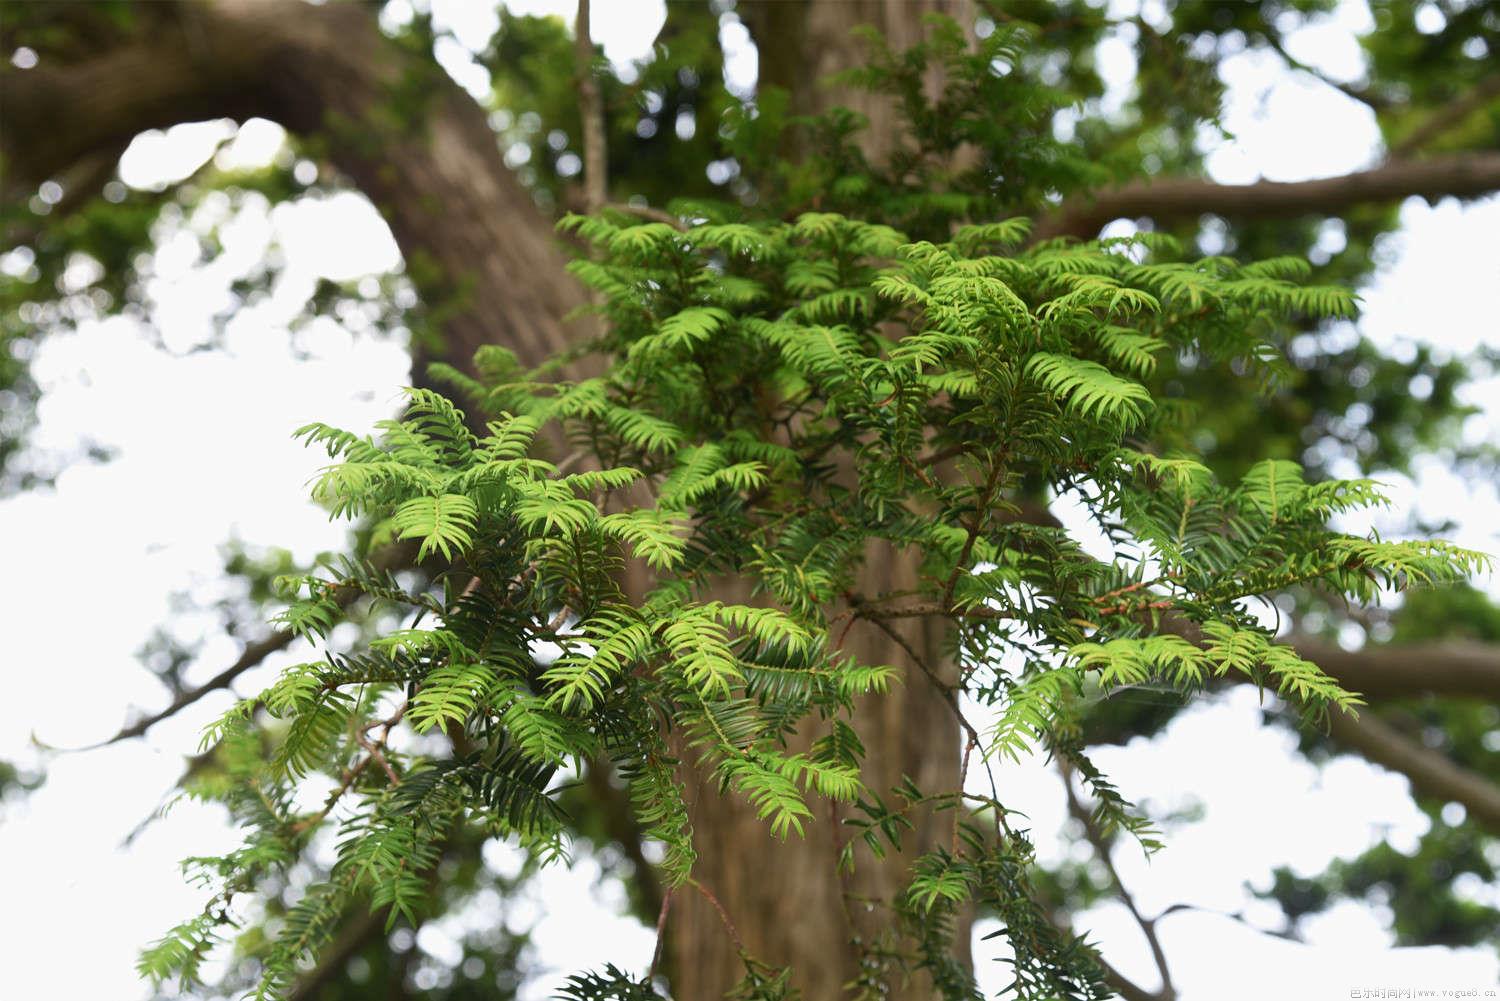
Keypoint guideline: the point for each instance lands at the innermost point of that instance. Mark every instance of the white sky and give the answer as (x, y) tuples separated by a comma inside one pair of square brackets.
[(149, 524)]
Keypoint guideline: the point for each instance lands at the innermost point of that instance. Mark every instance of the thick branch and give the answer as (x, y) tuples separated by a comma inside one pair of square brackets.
[(1167, 199), (1431, 774), (486, 260), (1391, 672), (84, 108)]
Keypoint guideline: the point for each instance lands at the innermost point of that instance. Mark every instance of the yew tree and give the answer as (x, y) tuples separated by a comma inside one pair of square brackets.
[(714, 537)]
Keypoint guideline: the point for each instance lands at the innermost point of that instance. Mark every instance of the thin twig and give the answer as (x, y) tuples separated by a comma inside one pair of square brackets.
[(1363, 95), (253, 654), (373, 747), (661, 929), (980, 510), (1180, 908), (1100, 844), (923, 609), (734, 934), (963, 775), (352, 775)]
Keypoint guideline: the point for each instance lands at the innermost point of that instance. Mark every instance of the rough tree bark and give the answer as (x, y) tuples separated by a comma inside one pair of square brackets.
[(785, 898)]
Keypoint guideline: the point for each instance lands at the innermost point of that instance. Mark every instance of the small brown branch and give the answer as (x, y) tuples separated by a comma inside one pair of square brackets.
[(949, 691), (1127, 988), (950, 699), (373, 747), (997, 465), (352, 774), (251, 656), (1448, 116), (1236, 916), (963, 776), (647, 212), (932, 608), (734, 934), (942, 455), (558, 619)]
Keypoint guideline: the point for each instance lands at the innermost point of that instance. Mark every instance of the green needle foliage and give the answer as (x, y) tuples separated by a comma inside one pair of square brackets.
[(778, 399)]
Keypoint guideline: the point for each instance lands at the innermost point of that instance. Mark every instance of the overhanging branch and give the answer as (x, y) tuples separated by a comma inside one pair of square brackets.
[(1175, 198), (1390, 672), (1431, 774)]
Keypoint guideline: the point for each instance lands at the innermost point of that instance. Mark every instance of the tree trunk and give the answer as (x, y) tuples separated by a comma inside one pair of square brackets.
[(803, 42), (490, 271), (785, 899)]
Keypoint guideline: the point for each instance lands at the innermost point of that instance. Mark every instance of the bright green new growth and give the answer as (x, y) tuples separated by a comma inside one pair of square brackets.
[(783, 400)]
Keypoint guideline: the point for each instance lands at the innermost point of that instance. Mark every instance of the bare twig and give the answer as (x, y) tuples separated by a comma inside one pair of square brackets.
[(1101, 846), (924, 609), (251, 656), (373, 747), (1184, 907), (352, 775), (1363, 95), (950, 699), (981, 513), (647, 212)]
